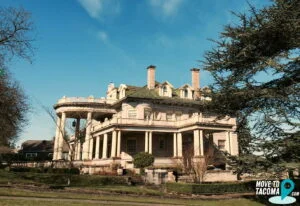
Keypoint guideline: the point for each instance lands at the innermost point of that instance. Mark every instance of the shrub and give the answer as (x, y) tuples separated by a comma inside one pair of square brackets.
[(74, 171), (143, 159)]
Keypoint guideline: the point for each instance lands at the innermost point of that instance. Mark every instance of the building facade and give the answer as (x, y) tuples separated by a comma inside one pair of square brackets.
[(157, 118)]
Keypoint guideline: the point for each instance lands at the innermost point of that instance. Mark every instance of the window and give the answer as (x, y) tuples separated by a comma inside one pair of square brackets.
[(169, 116), (178, 116), (165, 91), (221, 144), (157, 115), (29, 155), (147, 113), (131, 146), (162, 143), (132, 113), (186, 93)]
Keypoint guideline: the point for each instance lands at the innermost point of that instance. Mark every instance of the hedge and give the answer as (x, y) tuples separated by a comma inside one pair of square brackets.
[(46, 170), (61, 179), (217, 188), (214, 188)]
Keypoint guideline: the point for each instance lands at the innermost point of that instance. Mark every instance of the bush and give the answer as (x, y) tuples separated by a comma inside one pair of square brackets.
[(74, 171), (214, 188), (94, 181), (143, 159)]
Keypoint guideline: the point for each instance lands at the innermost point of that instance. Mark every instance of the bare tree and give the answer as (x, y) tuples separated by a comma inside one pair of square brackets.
[(196, 167), (15, 34), (15, 40)]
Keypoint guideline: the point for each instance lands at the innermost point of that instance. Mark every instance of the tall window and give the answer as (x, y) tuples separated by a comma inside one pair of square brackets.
[(186, 93), (131, 146), (162, 143), (165, 91), (221, 144), (147, 113), (132, 113)]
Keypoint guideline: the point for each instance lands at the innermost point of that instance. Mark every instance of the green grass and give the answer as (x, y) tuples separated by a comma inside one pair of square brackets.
[(119, 198), (44, 203)]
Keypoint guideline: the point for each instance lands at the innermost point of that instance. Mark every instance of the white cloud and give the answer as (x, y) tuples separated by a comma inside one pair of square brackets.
[(102, 35), (167, 7), (99, 9), (93, 7)]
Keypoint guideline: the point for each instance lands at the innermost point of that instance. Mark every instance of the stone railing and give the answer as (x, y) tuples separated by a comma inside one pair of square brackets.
[(89, 99), (162, 123)]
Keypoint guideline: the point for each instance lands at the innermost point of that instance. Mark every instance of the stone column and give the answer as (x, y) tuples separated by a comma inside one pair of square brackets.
[(77, 141), (70, 152), (75, 153), (91, 148), (201, 142), (179, 144), (78, 151), (56, 138), (61, 136), (113, 144), (97, 147), (119, 144), (227, 142), (196, 143), (174, 144), (146, 142), (104, 153), (86, 143), (150, 142)]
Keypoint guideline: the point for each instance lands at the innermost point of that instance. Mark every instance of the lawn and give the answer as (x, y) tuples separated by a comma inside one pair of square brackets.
[(83, 194), (69, 198)]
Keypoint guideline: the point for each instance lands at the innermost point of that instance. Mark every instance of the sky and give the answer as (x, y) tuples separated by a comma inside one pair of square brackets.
[(83, 45)]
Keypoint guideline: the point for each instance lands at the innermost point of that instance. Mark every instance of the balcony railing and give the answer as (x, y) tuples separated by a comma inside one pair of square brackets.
[(162, 123), (90, 99)]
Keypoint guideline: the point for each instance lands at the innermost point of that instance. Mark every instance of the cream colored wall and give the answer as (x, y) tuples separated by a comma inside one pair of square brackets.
[(234, 147), (220, 176), (218, 136), (112, 94), (162, 110)]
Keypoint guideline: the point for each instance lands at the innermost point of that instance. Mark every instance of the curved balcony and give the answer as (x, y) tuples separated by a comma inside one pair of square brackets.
[(163, 123), (89, 99)]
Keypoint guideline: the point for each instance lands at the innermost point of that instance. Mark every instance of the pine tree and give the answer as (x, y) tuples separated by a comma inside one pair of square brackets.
[(264, 43)]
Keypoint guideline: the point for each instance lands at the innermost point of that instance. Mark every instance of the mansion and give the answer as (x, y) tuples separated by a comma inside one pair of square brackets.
[(157, 118)]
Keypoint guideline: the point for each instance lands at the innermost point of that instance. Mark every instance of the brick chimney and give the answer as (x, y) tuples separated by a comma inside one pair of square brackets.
[(151, 77), (195, 78)]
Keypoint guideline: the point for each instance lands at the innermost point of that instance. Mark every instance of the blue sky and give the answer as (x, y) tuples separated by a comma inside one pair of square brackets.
[(83, 45)]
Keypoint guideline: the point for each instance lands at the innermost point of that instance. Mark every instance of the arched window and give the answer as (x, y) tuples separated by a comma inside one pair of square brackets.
[(186, 93)]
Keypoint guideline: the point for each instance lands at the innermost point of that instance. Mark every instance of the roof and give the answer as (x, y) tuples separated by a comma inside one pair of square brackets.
[(152, 94), (40, 146), (144, 92)]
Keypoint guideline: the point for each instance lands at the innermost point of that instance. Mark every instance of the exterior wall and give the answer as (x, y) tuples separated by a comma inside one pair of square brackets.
[(234, 145), (158, 112), (219, 136), (220, 176)]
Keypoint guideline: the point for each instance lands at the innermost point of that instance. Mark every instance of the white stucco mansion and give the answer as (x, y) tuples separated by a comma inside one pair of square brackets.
[(156, 118)]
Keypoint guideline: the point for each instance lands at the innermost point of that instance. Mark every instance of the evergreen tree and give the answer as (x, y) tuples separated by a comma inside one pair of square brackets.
[(264, 43)]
